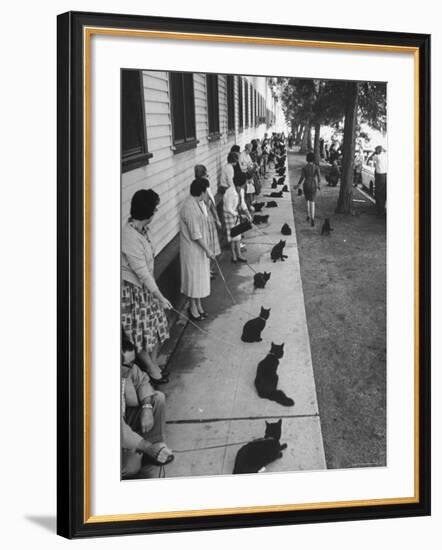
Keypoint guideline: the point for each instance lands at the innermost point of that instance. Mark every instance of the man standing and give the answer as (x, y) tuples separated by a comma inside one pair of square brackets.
[(380, 178)]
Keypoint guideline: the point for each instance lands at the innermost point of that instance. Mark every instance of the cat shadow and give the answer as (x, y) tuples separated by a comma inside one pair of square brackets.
[(49, 523)]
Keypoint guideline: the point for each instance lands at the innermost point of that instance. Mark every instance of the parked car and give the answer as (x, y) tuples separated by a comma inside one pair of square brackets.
[(367, 174)]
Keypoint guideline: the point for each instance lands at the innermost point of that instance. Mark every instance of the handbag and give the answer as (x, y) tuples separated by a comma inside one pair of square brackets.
[(242, 227)]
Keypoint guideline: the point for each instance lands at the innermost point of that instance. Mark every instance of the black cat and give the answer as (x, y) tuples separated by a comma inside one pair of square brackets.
[(275, 194), (271, 204), (257, 219), (274, 184), (253, 456), (286, 230), (281, 171), (281, 180), (258, 206), (285, 189), (326, 228), (251, 331), (266, 380), (277, 252), (260, 279)]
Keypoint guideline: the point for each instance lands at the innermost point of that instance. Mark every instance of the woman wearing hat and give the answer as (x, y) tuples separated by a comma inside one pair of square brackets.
[(142, 303)]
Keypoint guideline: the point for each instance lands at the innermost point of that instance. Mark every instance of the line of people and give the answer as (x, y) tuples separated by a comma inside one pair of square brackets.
[(143, 306)]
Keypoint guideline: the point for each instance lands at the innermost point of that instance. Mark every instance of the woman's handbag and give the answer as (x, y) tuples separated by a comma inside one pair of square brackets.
[(242, 227)]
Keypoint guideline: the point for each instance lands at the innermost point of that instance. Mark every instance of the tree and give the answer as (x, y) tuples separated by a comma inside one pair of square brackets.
[(345, 199), (314, 103)]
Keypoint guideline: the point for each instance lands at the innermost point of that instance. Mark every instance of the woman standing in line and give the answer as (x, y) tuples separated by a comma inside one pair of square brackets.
[(214, 223), (311, 176), (195, 254), (227, 172), (142, 304), (234, 204)]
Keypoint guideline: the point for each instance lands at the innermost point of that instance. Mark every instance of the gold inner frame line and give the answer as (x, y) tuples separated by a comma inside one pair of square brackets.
[(134, 33)]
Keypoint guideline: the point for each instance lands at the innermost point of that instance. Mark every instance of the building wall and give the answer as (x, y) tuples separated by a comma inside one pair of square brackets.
[(169, 174)]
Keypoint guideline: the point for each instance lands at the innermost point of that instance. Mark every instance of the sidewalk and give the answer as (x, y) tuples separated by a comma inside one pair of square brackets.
[(211, 397)]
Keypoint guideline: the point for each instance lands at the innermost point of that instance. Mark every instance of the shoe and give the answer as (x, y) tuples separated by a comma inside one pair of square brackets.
[(233, 260), (243, 260), (157, 381), (308, 218), (204, 314), (312, 223), (193, 318)]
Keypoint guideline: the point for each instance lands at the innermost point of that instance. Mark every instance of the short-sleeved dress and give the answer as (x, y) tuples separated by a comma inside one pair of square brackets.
[(195, 265), (310, 173)]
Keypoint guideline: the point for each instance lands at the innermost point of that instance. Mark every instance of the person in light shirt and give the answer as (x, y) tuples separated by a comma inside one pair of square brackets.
[(380, 178), (227, 172)]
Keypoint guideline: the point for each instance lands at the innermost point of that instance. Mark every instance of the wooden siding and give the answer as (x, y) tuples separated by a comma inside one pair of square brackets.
[(170, 174)]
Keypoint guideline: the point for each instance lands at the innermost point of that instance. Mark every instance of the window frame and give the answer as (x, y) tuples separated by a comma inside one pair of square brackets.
[(139, 159), (246, 104), (230, 96), (187, 143), (240, 104), (212, 104)]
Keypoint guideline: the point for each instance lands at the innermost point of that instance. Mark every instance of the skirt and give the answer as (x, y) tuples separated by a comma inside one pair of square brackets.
[(230, 222), (309, 191), (213, 236), (142, 318)]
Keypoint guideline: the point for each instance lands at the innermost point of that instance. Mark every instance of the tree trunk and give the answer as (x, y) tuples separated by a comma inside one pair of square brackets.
[(306, 141), (316, 144), (299, 134), (345, 200)]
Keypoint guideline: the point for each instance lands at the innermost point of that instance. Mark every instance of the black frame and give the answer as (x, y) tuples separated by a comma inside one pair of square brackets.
[(70, 266)]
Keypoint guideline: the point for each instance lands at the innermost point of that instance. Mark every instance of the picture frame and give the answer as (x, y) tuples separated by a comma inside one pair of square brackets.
[(76, 518)]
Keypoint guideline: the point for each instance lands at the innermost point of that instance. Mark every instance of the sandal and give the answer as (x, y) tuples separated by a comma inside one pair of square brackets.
[(163, 380)]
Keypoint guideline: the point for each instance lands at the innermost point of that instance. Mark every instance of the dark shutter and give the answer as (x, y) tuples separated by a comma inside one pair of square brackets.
[(183, 111), (133, 123), (240, 104), (212, 103), (230, 102)]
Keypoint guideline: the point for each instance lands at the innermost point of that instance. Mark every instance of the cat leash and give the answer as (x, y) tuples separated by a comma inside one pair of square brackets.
[(206, 332), (220, 446), (162, 469), (229, 292)]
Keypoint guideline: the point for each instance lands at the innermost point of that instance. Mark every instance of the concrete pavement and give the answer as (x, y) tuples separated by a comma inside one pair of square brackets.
[(211, 398)]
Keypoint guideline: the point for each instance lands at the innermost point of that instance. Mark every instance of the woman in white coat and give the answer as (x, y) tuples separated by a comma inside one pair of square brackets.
[(195, 252)]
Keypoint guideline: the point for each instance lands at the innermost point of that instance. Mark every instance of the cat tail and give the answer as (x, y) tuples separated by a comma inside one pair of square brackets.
[(280, 397)]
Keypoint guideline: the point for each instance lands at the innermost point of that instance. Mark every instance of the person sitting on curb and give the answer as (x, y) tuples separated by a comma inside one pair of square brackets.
[(143, 419), (334, 175)]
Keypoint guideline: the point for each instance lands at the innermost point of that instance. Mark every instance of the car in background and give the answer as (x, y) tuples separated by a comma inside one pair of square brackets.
[(367, 173)]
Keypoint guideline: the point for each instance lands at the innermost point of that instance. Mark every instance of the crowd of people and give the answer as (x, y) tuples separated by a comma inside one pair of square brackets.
[(204, 225)]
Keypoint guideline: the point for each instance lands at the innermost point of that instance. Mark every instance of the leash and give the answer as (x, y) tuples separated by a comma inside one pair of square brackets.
[(204, 331), (212, 447)]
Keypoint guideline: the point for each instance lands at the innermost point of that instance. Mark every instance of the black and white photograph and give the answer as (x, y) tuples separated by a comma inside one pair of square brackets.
[(253, 274)]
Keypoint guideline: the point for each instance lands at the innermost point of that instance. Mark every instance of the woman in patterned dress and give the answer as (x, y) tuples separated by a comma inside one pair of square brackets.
[(142, 303)]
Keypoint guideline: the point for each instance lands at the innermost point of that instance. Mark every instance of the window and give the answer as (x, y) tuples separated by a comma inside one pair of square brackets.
[(240, 104), (230, 102), (246, 104), (183, 111), (212, 103), (133, 123), (256, 108)]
